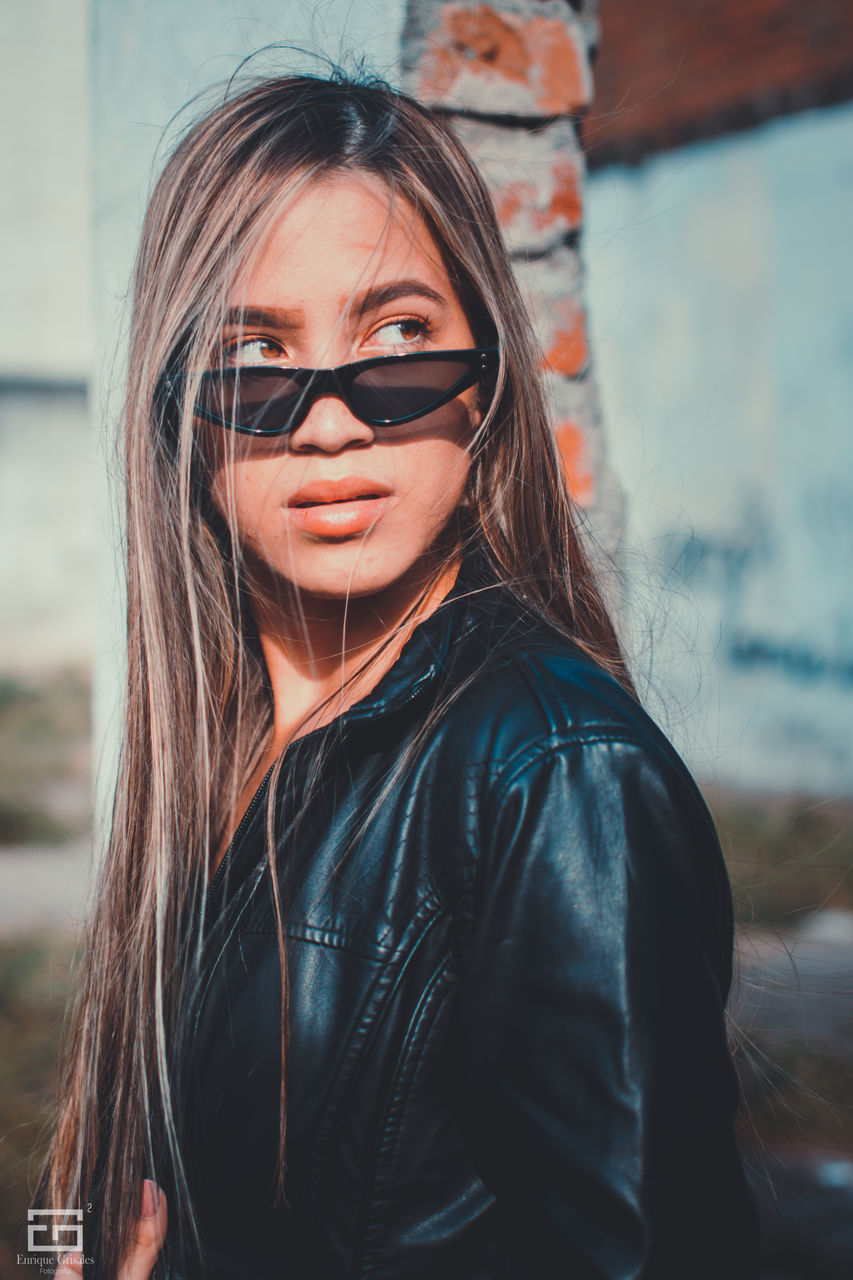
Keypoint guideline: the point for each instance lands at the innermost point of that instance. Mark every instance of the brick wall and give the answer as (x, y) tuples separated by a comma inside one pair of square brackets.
[(515, 77), (678, 70)]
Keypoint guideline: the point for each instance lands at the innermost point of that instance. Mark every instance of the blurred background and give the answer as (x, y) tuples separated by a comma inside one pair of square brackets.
[(675, 182)]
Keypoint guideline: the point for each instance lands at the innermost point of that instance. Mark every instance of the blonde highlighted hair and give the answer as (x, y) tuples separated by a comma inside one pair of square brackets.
[(198, 706)]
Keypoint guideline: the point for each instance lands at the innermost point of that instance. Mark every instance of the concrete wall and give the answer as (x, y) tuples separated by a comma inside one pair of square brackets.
[(48, 569), (718, 282), (47, 461), (45, 262), (150, 57)]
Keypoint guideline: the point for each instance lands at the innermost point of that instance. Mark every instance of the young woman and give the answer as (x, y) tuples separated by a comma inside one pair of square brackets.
[(413, 938)]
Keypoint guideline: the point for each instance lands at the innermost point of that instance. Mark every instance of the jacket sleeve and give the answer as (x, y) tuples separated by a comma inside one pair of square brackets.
[(593, 1077)]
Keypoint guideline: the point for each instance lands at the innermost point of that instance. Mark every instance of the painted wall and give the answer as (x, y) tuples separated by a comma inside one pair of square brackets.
[(49, 565), (722, 318), (45, 262), (150, 57), (48, 569)]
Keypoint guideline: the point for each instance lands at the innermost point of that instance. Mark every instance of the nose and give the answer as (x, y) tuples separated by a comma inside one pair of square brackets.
[(329, 426)]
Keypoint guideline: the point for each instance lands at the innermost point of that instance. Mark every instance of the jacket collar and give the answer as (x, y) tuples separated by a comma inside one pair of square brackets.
[(425, 653)]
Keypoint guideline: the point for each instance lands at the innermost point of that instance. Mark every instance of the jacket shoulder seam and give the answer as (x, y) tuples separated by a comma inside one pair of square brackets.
[(544, 748), (593, 735)]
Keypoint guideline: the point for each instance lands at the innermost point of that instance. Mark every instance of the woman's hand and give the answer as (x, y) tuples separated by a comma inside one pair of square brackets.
[(150, 1234)]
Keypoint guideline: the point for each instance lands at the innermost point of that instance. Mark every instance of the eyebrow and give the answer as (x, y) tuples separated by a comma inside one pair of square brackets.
[(373, 299), (281, 318)]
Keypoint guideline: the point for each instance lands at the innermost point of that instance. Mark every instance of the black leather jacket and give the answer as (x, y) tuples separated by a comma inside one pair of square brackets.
[(508, 1052)]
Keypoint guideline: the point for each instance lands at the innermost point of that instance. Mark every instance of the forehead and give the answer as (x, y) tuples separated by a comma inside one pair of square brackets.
[(342, 233)]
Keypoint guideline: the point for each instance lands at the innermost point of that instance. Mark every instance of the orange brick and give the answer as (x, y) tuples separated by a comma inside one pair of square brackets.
[(539, 53), (568, 353), (562, 84), (574, 449), (687, 71), (566, 197), (511, 199)]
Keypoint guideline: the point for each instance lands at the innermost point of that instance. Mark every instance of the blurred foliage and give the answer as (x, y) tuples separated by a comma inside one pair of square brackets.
[(34, 981), (787, 856), (45, 758)]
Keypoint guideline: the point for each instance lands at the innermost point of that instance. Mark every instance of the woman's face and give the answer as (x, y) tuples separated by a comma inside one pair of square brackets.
[(345, 275)]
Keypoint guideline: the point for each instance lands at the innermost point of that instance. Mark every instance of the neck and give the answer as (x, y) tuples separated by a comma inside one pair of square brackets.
[(312, 644)]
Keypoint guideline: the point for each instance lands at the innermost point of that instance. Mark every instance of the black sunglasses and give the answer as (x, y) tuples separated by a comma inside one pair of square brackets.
[(385, 391)]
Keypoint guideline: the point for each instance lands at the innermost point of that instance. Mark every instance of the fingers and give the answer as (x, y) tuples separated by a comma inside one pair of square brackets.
[(147, 1243), (70, 1266), (150, 1234)]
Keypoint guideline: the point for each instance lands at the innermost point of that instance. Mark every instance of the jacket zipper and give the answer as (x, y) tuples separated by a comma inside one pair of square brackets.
[(244, 822)]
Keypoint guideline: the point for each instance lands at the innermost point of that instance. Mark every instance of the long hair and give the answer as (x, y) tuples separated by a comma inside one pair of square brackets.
[(198, 704)]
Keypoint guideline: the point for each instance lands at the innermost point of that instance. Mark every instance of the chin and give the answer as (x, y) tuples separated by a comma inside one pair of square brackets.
[(352, 575)]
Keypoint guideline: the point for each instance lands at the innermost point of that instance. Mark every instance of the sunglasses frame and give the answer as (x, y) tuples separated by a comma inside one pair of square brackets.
[(338, 382)]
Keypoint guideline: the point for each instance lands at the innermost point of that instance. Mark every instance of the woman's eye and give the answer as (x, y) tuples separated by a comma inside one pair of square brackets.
[(401, 333), (240, 351)]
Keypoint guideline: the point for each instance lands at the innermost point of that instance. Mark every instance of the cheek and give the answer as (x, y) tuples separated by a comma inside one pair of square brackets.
[(429, 471), (244, 493), (243, 476), (432, 476)]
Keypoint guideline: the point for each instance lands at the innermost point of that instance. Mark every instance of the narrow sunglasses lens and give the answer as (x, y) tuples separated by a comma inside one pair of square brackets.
[(404, 388), (257, 400)]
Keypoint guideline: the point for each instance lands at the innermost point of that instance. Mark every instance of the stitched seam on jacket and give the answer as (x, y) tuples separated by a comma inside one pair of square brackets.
[(367, 948), (534, 679), (591, 735), (334, 938), (670, 763), (545, 748), (409, 1067), (359, 1044)]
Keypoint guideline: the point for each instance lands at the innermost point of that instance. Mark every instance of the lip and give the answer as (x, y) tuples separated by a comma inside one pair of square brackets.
[(341, 507), (342, 489)]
